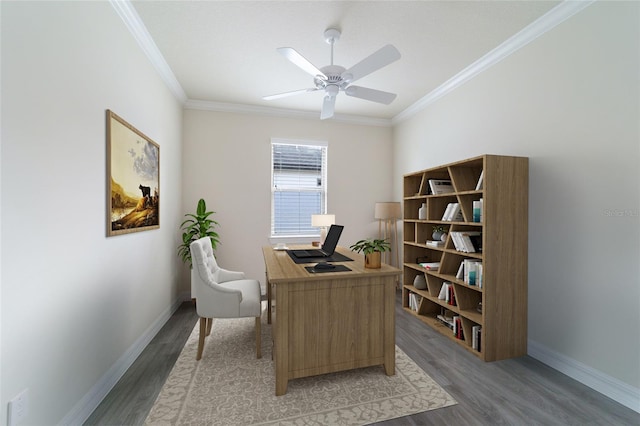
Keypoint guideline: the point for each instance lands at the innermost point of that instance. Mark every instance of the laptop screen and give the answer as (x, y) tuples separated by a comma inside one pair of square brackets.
[(331, 241)]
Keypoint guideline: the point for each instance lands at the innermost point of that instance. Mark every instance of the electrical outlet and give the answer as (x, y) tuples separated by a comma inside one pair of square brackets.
[(18, 408)]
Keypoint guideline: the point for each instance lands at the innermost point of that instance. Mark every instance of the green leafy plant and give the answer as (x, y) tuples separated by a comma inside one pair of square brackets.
[(197, 226), (371, 245), (439, 228)]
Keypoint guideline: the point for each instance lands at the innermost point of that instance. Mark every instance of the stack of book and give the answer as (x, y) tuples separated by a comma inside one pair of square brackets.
[(447, 294), (430, 266), (452, 213), (470, 271), (440, 186), (446, 318), (457, 328), (414, 301), (467, 241)]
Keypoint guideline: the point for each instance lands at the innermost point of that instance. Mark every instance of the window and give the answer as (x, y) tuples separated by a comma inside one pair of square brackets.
[(298, 186)]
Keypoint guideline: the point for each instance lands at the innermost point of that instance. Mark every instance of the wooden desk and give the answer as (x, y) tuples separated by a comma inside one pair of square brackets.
[(329, 322)]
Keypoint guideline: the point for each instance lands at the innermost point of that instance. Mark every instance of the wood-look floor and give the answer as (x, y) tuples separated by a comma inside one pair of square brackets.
[(519, 391)]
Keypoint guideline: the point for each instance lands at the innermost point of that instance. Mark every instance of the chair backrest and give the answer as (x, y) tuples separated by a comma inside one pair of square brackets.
[(203, 260), (212, 300)]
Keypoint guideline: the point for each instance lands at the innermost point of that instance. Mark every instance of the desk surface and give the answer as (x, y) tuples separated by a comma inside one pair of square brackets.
[(280, 267)]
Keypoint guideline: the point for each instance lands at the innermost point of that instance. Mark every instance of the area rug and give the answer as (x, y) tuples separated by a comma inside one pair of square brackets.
[(229, 386)]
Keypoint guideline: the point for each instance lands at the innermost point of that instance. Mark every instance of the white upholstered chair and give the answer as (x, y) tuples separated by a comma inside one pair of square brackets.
[(220, 293)]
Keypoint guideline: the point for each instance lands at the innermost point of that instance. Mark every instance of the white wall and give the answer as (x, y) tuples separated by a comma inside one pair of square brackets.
[(570, 102), (227, 161), (73, 301)]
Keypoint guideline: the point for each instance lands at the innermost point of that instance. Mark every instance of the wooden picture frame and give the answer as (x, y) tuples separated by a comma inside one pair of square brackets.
[(133, 179)]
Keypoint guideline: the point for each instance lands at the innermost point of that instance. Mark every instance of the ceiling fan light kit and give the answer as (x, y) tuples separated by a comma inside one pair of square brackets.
[(333, 79)]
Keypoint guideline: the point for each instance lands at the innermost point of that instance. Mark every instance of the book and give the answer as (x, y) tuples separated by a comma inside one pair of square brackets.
[(460, 273), (440, 186), (475, 337), (476, 211), (445, 215), (452, 213), (414, 301), (463, 242), (430, 266), (471, 271), (455, 215), (457, 328), (443, 292), (472, 241), (456, 241), (451, 294), (467, 241), (448, 321), (434, 243), (447, 292), (480, 181)]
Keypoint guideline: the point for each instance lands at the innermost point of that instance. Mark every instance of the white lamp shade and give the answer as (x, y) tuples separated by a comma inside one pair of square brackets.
[(323, 220), (387, 210)]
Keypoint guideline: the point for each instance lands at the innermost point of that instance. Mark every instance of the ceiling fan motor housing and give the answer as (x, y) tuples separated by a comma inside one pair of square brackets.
[(334, 78)]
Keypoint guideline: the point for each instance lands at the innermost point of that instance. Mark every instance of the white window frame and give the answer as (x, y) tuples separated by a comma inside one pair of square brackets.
[(315, 232)]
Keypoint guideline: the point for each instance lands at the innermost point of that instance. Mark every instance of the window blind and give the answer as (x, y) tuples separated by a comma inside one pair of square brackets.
[(298, 188)]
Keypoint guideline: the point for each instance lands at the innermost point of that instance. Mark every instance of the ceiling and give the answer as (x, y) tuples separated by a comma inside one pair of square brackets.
[(225, 51)]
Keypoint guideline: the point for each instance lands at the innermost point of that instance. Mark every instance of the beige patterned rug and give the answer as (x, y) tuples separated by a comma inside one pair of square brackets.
[(229, 386)]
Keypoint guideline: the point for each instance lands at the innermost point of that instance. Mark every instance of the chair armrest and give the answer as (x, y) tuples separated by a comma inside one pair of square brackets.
[(224, 275)]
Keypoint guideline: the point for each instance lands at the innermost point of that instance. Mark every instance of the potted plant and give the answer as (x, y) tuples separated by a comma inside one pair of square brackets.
[(197, 226), (438, 232), (372, 250)]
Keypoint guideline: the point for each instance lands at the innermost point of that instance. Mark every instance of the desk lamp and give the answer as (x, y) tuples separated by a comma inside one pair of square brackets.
[(323, 221)]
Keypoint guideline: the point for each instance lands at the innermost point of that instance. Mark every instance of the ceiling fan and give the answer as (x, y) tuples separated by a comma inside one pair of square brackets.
[(335, 78)]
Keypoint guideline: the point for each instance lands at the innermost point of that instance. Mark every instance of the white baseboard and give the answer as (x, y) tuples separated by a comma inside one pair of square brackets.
[(611, 387), (83, 409)]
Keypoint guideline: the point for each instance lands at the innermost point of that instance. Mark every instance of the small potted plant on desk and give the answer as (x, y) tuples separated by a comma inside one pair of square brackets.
[(372, 250)]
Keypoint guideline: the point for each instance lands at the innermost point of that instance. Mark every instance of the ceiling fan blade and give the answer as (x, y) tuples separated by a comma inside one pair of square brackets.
[(299, 60), (287, 94), (382, 57), (328, 106), (370, 94)]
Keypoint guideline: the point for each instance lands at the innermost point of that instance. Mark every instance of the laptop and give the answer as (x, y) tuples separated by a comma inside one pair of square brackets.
[(327, 248)]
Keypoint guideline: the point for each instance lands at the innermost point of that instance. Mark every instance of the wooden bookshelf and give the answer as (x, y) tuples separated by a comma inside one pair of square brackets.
[(503, 256)]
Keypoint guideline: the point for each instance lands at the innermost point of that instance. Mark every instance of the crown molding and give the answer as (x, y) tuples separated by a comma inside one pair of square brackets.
[(282, 112), (546, 22), (137, 28)]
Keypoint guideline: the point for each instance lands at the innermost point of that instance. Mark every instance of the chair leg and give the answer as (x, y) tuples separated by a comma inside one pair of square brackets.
[(209, 325), (258, 338), (203, 332)]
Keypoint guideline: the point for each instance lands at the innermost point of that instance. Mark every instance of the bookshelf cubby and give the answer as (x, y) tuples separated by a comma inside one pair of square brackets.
[(494, 296)]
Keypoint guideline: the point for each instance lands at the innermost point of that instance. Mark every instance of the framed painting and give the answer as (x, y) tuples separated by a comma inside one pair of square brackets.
[(133, 175)]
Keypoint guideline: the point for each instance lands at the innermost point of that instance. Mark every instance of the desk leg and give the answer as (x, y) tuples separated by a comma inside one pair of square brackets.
[(281, 340), (268, 301), (390, 327)]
